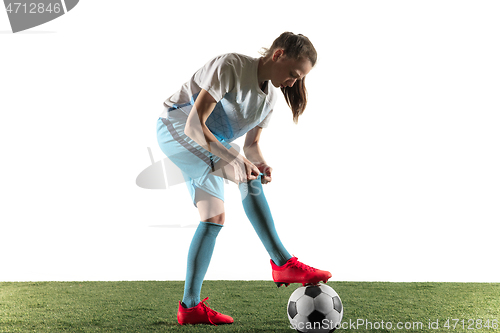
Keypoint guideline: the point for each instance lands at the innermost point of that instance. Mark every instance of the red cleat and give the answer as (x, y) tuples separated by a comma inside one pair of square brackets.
[(296, 272), (201, 314)]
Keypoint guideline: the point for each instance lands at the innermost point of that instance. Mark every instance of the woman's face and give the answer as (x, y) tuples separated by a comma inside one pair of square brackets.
[(287, 71)]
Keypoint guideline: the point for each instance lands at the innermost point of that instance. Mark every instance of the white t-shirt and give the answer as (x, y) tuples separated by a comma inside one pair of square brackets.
[(231, 79)]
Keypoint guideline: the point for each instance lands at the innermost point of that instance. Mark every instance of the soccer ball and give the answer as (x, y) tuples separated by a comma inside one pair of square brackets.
[(315, 308)]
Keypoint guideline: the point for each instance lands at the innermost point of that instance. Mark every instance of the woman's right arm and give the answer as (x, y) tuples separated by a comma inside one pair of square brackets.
[(198, 131)]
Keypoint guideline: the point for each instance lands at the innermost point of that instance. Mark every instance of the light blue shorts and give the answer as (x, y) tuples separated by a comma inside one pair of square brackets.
[(195, 162)]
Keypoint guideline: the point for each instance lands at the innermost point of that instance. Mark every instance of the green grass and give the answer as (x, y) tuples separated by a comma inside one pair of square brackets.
[(256, 306)]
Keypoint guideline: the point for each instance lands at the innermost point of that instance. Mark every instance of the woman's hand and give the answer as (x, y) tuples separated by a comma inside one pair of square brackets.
[(266, 170), (244, 170)]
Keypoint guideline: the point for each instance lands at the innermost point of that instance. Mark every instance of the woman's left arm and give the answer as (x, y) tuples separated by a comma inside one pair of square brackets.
[(254, 154)]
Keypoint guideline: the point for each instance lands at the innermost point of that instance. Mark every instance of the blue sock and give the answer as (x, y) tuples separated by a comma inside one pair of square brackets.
[(259, 214), (199, 255)]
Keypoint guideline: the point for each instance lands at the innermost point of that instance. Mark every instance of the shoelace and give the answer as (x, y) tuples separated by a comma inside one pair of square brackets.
[(303, 266), (208, 311)]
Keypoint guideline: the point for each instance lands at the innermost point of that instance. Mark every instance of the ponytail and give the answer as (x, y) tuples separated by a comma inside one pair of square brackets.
[(296, 98)]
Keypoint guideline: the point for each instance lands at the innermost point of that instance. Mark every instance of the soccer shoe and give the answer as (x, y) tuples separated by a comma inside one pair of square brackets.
[(293, 271), (201, 314)]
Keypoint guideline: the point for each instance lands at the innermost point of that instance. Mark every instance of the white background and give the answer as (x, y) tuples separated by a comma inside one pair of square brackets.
[(390, 175)]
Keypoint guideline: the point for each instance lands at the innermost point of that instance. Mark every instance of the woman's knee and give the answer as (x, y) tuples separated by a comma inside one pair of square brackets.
[(218, 219), (211, 209)]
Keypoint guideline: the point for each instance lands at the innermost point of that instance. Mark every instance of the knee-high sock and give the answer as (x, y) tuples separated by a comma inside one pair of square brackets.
[(199, 255), (259, 214)]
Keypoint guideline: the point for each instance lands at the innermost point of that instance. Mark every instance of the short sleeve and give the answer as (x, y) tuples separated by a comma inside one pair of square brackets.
[(264, 123), (217, 77)]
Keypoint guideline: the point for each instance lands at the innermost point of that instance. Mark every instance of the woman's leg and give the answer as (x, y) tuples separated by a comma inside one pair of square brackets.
[(286, 269), (211, 211), (191, 309), (258, 212)]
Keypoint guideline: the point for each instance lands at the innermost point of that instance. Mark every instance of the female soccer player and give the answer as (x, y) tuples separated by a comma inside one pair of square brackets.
[(233, 95)]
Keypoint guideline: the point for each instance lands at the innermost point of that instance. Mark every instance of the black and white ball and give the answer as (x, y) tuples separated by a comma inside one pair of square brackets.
[(315, 308)]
